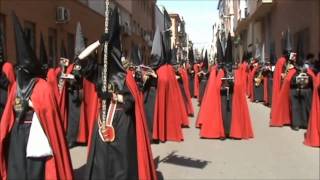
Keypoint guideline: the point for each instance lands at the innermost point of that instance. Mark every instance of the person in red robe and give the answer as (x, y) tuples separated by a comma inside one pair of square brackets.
[(277, 81), (185, 80), (294, 103), (118, 146), (267, 78), (203, 77), (196, 69), (312, 136), (170, 113), (206, 107), (67, 84), (230, 116), (32, 110)]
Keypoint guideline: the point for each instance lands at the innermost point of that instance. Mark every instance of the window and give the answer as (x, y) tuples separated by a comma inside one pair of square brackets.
[(2, 34), (30, 32), (52, 39), (70, 41)]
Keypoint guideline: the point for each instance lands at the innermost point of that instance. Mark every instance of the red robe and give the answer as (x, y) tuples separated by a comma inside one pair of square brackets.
[(241, 127), (196, 69), (52, 78), (168, 116), (281, 115), (8, 70), (205, 108), (185, 79), (312, 137), (282, 112), (45, 106), (210, 115), (276, 84), (146, 167)]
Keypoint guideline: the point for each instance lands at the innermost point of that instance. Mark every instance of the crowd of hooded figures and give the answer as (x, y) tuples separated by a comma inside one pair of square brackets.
[(46, 111)]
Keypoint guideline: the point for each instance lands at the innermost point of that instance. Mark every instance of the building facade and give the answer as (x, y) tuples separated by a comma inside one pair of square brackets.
[(262, 24), (179, 38), (56, 20), (136, 19)]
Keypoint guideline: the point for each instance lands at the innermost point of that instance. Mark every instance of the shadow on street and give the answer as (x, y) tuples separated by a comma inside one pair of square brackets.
[(180, 160)]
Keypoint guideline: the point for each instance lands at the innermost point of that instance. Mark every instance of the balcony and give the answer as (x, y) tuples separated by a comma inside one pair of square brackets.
[(262, 9)]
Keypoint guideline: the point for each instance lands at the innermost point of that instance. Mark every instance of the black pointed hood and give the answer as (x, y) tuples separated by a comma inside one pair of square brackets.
[(205, 65), (300, 55), (157, 51), (63, 50), (173, 60), (288, 42), (26, 58), (2, 60), (79, 42), (136, 57), (220, 55), (43, 55), (116, 71), (228, 59), (191, 56)]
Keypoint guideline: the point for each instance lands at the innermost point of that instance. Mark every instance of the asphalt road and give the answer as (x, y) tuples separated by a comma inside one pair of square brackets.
[(274, 153)]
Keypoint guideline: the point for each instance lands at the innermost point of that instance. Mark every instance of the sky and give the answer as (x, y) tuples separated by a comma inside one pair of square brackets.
[(199, 16)]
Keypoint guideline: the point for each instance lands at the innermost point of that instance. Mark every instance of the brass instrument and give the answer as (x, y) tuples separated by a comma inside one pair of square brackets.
[(258, 79), (302, 80), (64, 64)]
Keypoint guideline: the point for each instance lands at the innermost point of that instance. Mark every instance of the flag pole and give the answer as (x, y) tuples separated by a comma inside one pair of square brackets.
[(105, 67)]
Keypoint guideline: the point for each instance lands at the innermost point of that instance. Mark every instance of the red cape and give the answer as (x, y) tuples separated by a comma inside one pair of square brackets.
[(52, 78), (168, 116), (276, 84), (185, 79), (210, 115), (8, 70), (241, 127), (196, 69), (45, 106), (282, 112), (281, 115), (207, 98), (312, 137), (146, 167)]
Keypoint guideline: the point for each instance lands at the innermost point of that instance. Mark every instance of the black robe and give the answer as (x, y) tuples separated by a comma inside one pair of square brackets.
[(191, 83), (117, 159), (301, 100), (4, 83), (74, 100), (203, 85), (270, 87), (258, 90), (226, 104), (18, 165), (150, 92)]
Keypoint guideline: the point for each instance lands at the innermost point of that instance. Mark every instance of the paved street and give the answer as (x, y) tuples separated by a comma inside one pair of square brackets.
[(274, 153)]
